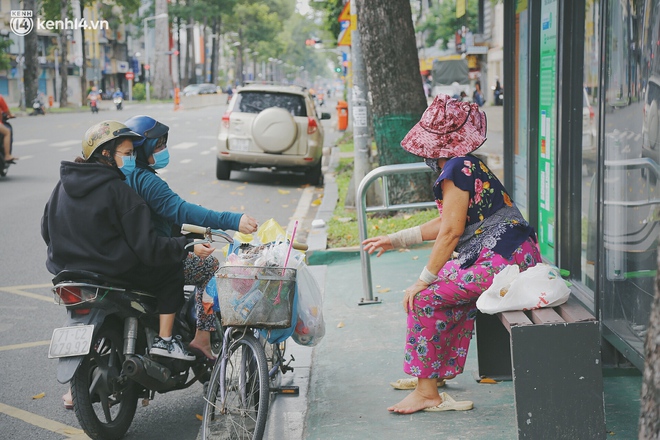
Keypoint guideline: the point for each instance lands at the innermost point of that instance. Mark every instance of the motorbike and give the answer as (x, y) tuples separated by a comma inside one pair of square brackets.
[(38, 108), (94, 106), (104, 350), (4, 165), (118, 102)]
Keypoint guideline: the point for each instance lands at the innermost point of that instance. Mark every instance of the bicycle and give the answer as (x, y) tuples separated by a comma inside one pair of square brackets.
[(248, 368)]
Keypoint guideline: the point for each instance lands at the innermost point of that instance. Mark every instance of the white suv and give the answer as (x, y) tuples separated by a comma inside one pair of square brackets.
[(271, 126)]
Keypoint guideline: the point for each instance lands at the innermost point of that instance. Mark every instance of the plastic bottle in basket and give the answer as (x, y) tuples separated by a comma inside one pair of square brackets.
[(244, 305)]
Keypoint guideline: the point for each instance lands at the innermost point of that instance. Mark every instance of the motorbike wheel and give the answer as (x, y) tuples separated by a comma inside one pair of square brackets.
[(236, 404), (104, 404)]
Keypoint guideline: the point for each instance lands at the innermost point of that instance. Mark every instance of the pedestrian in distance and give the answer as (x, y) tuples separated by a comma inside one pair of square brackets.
[(478, 96), (169, 211), (478, 220)]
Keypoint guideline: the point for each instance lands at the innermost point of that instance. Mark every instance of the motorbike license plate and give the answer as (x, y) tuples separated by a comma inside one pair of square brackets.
[(240, 144), (71, 341)]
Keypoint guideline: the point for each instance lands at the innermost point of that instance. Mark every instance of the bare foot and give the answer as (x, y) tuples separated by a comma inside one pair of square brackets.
[(414, 402), (202, 349)]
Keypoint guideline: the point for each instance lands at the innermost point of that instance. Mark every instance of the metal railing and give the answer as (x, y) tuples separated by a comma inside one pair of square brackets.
[(381, 172)]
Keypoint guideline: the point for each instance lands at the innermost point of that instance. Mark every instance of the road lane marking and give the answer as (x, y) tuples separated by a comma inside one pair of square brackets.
[(42, 422), (184, 145), (186, 161), (25, 345), (20, 290), (66, 143), (28, 142)]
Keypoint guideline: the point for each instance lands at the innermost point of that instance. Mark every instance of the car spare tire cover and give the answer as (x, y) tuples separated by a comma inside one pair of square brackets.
[(274, 130)]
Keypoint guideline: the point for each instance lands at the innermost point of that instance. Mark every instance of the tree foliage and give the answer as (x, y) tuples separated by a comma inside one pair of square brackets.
[(440, 24)]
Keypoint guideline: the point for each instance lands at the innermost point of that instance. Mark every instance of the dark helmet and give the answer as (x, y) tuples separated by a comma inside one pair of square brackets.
[(150, 130)]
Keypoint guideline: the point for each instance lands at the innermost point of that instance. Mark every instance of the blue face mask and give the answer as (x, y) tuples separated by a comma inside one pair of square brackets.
[(128, 165), (162, 158)]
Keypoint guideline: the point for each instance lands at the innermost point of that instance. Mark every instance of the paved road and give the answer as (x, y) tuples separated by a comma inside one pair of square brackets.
[(28, 315)]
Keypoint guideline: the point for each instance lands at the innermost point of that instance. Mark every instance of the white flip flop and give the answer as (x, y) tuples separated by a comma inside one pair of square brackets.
[(449, 404)]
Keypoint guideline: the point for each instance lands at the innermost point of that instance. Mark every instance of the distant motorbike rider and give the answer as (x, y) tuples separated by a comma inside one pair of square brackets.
[(118, 94), (5, 131), (168, 209), (93, 221)]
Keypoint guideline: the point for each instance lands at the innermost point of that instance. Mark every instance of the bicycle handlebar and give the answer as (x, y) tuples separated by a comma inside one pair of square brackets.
[(208, 232)]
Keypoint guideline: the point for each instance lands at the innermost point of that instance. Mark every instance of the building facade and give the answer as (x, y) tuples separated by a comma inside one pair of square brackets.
[(582, 145)]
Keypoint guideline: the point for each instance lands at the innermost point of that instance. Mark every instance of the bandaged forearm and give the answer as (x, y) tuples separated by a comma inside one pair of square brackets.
[(406, 237)]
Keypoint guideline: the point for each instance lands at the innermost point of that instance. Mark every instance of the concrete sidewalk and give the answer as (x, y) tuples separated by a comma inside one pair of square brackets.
[(362, 352)]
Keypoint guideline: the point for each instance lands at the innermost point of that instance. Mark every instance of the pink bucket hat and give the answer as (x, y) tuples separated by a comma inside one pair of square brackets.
[(448, 128)]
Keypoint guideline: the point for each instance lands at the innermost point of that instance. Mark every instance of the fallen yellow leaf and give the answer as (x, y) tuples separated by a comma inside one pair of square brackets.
[(283, 191), (341, 324), (239, 188), (194, 193), (316, 202), (385, 290), (487, 380), (406, 216), (39, 396), (199, 417), (376, 227)]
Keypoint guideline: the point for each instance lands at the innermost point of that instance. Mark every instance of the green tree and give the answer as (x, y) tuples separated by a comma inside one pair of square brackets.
[(441, 22), (390, 56)]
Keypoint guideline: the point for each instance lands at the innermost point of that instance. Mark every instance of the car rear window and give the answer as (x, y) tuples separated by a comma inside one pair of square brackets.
[(255, 102)]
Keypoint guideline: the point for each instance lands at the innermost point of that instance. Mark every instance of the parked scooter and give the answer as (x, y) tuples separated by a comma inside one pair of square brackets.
[(104, 350), (118, 102), (4, 165), (38, 107)]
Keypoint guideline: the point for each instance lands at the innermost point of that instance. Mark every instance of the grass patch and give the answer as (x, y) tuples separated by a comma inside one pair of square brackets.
[(343, 226)]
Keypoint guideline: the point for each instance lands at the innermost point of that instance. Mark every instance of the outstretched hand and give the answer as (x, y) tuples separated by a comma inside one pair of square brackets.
[(248, 225), (381, 243)]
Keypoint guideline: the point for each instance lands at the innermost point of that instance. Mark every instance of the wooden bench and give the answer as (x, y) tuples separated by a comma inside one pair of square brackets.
[(553, 357)]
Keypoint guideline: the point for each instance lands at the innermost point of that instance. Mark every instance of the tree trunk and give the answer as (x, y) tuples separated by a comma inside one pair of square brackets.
[(31, 60), (64, 65), (190, 53), (160, 68), (649, 420), (214, 51), (395, 84)]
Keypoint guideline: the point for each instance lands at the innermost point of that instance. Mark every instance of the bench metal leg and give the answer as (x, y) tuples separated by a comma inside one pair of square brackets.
[(558, 381), (493, 348)]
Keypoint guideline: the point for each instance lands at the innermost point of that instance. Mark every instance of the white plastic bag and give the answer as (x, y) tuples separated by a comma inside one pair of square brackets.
[(539, 286), (310, 328)]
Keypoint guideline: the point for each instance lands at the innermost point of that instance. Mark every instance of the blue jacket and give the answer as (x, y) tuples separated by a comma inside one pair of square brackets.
[(168, 209)]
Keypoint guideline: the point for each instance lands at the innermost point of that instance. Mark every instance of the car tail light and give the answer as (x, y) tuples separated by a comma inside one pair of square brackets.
[(311, 125), (591, 112), (225, 119)]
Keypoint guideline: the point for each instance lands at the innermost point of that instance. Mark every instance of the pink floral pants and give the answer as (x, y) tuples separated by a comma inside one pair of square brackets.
[(441, 322)]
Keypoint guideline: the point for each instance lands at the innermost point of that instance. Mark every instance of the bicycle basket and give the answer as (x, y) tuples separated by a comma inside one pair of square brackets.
[(259, 297)]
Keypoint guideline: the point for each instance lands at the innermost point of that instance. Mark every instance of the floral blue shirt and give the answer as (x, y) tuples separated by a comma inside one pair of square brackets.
[(493, 221)]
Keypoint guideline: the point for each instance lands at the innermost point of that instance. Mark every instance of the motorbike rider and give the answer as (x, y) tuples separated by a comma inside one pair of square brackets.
[(5, 131), (93, 96), (93, 221), (118, 94), (169, 209)]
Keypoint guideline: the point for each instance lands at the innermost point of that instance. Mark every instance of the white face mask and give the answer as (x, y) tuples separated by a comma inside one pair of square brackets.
[(161, 159)]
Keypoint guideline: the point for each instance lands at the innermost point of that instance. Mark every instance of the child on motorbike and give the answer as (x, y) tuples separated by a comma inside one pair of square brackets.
[(93, 221), (168, 210)]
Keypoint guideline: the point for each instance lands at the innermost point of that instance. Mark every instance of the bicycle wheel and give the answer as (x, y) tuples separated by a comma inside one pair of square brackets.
[(238, 394)]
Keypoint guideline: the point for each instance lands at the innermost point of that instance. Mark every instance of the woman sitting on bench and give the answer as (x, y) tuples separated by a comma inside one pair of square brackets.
[(478, 220)]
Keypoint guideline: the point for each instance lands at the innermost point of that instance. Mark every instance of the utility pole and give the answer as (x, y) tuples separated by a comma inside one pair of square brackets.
[(359, 94)]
